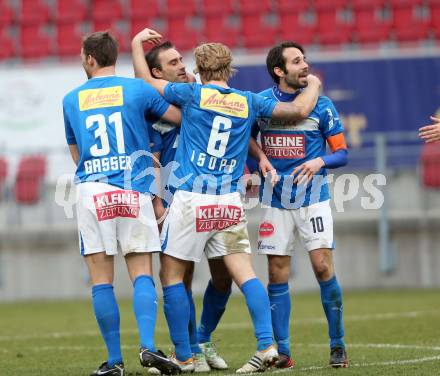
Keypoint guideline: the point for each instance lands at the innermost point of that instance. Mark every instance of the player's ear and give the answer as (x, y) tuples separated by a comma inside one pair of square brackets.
[(279, 72), (157, 73)]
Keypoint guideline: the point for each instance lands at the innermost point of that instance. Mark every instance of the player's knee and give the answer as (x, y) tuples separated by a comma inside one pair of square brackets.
[(323, 272), (279, 269)]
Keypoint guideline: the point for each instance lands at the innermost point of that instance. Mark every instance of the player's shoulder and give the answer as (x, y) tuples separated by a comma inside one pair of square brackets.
[(72, 95), (267, 93), (324, 101)]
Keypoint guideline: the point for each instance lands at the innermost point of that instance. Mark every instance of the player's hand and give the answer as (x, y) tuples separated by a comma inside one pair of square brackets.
[(191, 78), (431, 133), (159, 211), (148, 36), (314, 80), (267, 169), (305, 171)]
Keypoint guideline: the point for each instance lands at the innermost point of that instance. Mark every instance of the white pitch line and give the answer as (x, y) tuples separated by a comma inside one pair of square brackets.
[(359, 365), (230, 326)]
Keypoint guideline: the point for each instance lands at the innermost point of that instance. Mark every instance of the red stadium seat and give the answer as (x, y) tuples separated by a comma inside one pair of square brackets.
[(248, 7), (68, 39), (328, 17), (33, 12), (29, 179), (412, 34), (34, 44), (370, 28), (181, 35), (6, 14), (69, 11), (335, 36), (217, 29), (374, 35), (305, 35), (255, 33), (292, 7), (430, 160), (180, 8), (7, 46), (143, 10), (434, 10), (217, 8), (106, 10)]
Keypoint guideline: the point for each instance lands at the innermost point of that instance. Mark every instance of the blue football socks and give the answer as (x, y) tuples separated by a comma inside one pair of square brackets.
[(177, 312), (280, 306), (214, 304), (192, 327), (259, 308), (145, 309), (331, 297), (107, 315)]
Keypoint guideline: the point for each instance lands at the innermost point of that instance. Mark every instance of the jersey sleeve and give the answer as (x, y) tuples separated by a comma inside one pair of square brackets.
[(155, 139), (263, 106), (179, 93), (70, 136), (154, 103), (330, 123)]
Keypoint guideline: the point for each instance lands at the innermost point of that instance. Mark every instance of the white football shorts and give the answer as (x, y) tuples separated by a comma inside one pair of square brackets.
[(111, 218), (215, 224), (281, 228)]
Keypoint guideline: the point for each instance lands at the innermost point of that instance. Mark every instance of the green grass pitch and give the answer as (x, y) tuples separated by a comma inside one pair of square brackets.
[(387, 333)]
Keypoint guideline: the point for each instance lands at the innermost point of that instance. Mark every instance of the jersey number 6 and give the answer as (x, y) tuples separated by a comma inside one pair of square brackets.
[(218, 140)]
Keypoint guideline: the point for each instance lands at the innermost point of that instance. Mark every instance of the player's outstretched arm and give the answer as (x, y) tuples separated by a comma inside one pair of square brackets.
[(141, 69), (431, 133), (303, 104)]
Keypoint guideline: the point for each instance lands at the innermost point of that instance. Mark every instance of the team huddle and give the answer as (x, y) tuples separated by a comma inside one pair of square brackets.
[(160, 163)]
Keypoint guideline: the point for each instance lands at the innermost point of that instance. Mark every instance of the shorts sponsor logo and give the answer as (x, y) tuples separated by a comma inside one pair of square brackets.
[(284, 146), (100, 98), (230, 104), (262, 246), (120, 203), (217, 217), (266, 229)]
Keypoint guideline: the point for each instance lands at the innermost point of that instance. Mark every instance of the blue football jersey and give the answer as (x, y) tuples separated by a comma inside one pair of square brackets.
[(287, 144), (106, 118), (164, 138), (214, 135)]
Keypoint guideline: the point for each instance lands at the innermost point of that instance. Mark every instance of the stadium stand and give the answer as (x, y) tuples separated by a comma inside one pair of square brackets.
[(29, 179), (240, 24)]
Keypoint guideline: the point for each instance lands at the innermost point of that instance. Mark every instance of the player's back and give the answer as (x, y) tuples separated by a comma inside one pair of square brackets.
[(214, 137), (105, 118)]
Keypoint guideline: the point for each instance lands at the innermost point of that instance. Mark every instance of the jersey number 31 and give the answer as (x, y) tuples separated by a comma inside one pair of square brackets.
[(101, 133)]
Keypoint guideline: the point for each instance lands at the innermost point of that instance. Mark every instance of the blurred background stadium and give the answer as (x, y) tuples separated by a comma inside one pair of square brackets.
[(379, 62)]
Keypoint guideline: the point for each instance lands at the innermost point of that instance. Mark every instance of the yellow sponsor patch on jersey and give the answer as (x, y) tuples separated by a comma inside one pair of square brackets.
[(100, 98), (230, 104)]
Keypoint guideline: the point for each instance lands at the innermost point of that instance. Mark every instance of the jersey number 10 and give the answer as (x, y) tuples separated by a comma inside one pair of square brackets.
[(102, 136)]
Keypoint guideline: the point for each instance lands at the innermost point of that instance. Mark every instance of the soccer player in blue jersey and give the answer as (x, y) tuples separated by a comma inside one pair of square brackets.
[(299, 207), (207, 214), (165, 62), (108, 138)]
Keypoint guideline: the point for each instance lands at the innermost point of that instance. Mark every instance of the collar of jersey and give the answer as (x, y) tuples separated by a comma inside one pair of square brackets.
[(283, 96), (219, 88), (97, 78)]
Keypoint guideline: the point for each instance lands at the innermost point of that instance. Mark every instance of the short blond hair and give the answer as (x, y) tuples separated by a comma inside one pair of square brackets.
[(213, 62)]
